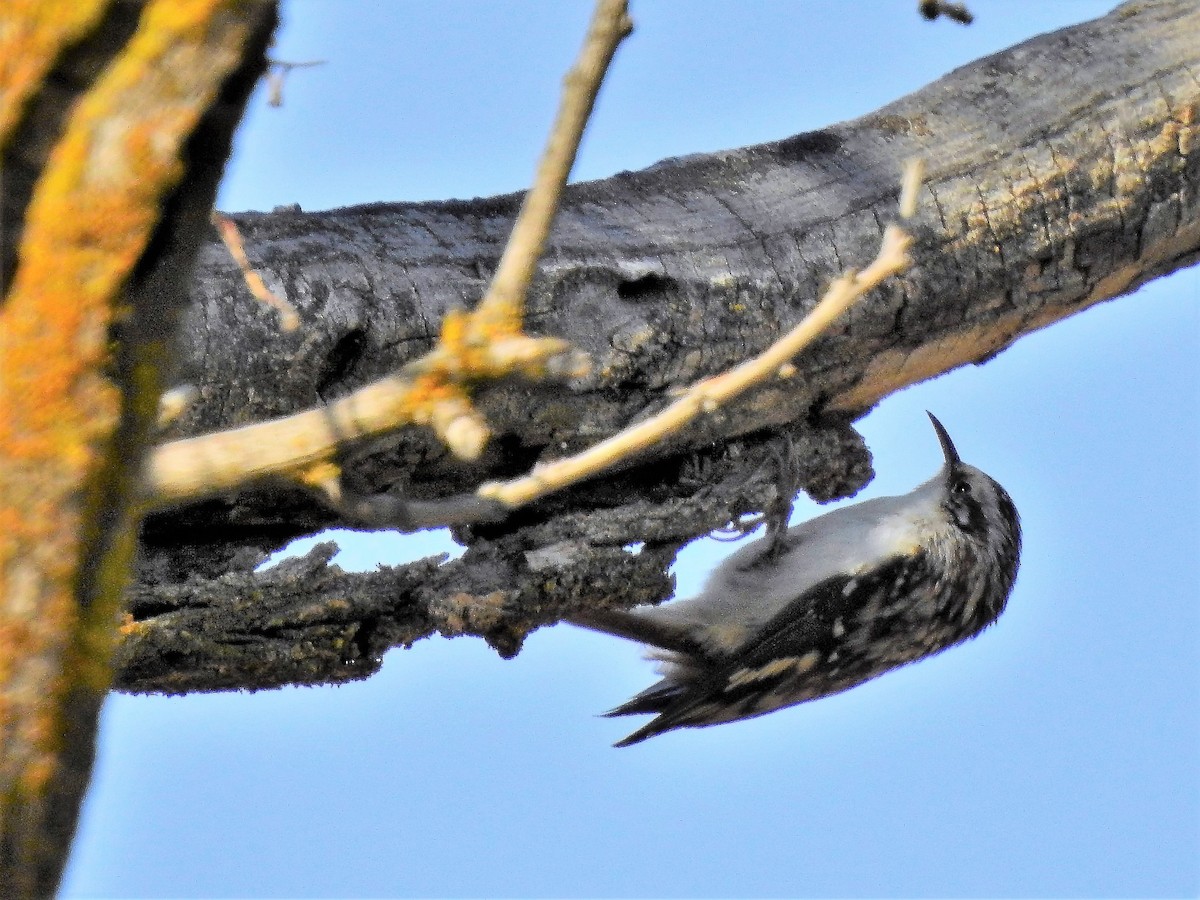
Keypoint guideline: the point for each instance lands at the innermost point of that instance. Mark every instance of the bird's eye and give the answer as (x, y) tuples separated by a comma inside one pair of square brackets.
[(962, 487)]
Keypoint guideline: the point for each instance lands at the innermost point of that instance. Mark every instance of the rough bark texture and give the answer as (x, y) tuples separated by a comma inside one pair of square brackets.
[(1060, 173), (112, 154)]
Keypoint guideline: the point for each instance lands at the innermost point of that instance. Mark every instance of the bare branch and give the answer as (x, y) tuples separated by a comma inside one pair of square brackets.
[(232, 239), (1074, 184), (484, 344), (504, 303), (711, 393), (277, 74)]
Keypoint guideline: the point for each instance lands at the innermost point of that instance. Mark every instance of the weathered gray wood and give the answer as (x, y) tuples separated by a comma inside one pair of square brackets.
[(1061, 173)]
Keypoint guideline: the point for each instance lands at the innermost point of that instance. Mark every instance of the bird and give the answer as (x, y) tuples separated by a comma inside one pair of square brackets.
[(812, 610)]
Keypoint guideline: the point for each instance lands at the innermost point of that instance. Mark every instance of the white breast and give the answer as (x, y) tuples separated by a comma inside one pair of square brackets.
[(740, 597)]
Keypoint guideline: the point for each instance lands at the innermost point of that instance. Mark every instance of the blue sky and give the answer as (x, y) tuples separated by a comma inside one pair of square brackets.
[(1056, 755)]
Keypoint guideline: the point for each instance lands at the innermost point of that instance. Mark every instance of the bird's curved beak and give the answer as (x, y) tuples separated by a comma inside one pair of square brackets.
[(952, 458)]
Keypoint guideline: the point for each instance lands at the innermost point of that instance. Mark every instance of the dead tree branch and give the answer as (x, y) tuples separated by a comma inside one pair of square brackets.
[(1060, 173)]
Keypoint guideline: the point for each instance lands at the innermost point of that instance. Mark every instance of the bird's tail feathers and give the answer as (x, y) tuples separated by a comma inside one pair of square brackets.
[(672, 646), (632, 627), (654, 699)]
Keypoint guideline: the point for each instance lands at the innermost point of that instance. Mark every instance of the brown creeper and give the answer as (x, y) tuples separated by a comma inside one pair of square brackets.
[(830, 603)]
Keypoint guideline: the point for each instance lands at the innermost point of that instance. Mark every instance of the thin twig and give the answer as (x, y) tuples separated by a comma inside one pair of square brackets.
[(210, 463), (289, 319), (484, 343), (505, 298), (277, 73), (709, 394)]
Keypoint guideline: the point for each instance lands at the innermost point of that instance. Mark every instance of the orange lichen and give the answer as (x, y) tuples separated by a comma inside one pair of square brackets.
[(130, 627), (90, 216), (321, 474), (32, 35), (461, 612), (454, 331), (483, 344)]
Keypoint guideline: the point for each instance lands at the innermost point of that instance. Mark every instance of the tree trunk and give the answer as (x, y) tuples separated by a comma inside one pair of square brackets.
[(115, 123)]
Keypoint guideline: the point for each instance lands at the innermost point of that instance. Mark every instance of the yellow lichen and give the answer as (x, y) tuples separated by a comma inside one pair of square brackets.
[(32, 35), (87, 224)]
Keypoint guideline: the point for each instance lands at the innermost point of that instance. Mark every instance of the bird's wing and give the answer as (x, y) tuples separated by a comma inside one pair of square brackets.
[(807, 650)]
